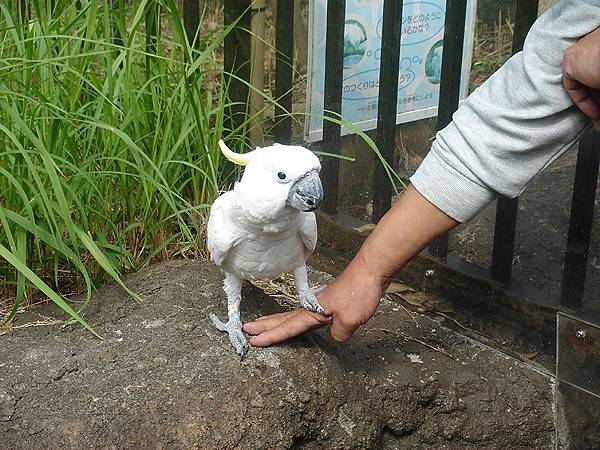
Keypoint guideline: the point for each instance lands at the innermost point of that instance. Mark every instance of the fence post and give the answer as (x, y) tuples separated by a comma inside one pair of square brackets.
[(387, 104), (191, 19), (237, 58), (504, 238), (506, 208), (454, 34), (580, 225), (334, 73), (284, 48), (257, 71)]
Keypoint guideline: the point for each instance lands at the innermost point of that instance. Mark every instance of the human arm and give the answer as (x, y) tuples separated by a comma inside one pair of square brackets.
[(354, 296), (503, 135)]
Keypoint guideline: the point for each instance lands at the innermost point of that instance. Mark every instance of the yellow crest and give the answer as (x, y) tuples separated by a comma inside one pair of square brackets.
[(237, 158)]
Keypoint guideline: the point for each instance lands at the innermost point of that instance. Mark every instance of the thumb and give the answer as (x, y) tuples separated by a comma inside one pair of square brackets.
[(341, 332)]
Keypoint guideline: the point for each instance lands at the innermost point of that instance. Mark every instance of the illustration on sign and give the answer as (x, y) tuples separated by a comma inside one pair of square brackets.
[(420, 61)]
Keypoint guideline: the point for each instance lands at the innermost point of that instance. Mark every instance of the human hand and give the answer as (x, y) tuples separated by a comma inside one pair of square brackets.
[(349, 301), (581, 75), (353, 297)]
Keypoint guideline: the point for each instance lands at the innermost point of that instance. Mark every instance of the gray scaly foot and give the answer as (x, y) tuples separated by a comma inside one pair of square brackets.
[(309, 301), (234, 330)]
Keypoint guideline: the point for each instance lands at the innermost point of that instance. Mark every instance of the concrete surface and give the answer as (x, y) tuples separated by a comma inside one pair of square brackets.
[(163, 377)]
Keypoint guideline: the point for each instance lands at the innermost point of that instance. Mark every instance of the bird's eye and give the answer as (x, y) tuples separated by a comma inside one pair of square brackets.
[(281, 177)]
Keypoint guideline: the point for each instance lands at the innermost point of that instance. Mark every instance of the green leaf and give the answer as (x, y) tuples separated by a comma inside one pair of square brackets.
[(37, 282)]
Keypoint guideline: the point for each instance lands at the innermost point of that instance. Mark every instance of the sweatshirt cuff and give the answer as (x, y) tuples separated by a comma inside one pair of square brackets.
[(450, 191)]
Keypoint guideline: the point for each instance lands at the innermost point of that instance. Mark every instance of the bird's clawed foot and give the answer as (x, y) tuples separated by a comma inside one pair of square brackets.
[(309, 301), (234, 329)]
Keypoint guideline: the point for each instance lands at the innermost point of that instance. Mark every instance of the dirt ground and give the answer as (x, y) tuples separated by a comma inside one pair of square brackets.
[(163, 377)]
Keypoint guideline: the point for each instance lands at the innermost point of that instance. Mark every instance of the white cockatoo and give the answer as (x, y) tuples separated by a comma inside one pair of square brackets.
[(265, 226)]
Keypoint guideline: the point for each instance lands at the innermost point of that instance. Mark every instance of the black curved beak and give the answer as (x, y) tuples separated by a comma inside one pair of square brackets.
[(307, 193)]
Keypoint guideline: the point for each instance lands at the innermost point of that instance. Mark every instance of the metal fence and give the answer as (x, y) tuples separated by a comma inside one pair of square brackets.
[(573, 342), (237, 47), (237, 54), (570, 338)]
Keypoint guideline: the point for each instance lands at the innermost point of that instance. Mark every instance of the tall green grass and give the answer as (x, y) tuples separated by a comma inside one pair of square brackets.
[(108, 147)]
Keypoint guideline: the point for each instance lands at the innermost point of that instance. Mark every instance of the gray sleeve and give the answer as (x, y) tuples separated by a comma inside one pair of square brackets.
[(513, 126)]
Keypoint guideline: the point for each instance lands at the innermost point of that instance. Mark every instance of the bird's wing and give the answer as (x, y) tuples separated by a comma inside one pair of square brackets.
[(220, 235), (308, 232)]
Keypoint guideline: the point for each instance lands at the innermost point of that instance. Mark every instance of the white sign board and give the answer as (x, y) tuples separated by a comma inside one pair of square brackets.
[(420, 62)]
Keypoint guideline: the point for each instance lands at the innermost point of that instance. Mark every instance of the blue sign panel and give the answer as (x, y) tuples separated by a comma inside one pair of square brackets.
[(420, 61)]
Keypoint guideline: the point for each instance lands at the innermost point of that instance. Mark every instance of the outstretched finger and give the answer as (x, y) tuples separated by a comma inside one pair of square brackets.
[(281, 314), (267, 322), (300, 323)]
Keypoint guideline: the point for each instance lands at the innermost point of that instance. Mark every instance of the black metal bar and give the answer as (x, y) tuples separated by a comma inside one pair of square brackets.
[(506, 208), (334, 73), (387, 104), (284, 45), (580, 225), (504, 238), (236, 67), (454, 34), (191, 19), (450, 82), (439, 246), (237, 59), (525, 14)]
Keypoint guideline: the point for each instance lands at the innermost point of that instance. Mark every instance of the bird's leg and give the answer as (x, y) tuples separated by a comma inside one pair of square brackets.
[(308, 300), (233, 288)]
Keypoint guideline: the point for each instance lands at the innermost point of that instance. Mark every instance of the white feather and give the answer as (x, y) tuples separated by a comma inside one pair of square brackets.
[(251, 232)]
